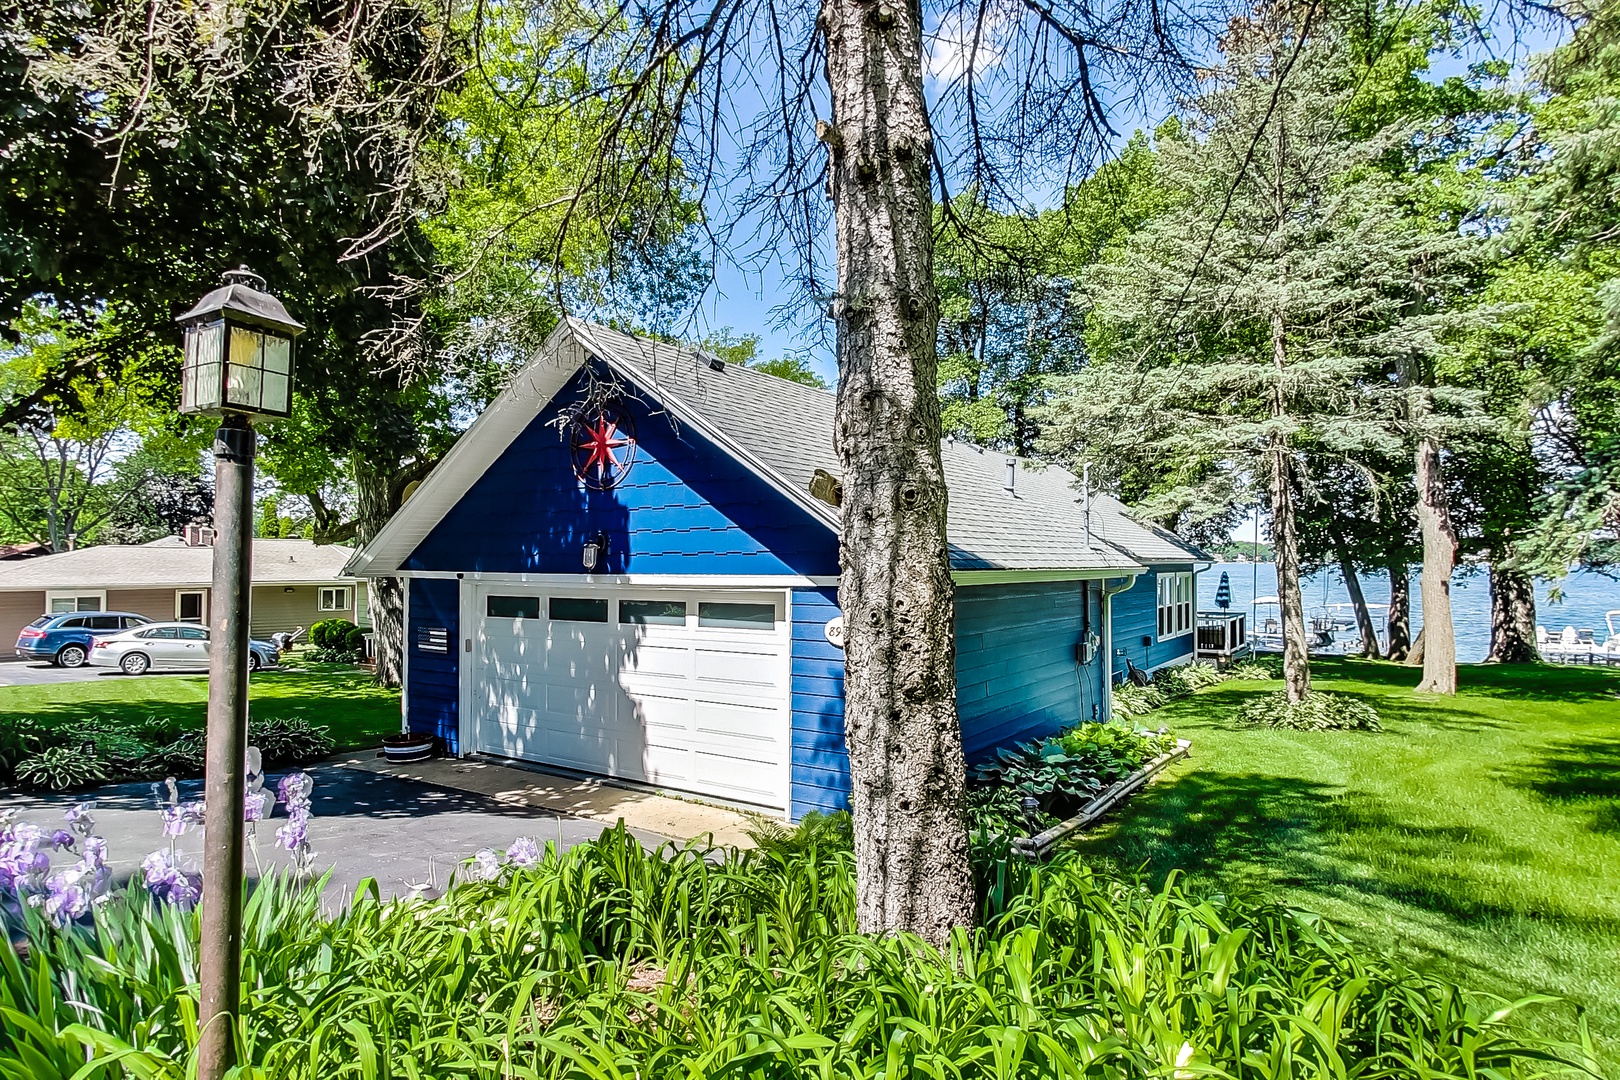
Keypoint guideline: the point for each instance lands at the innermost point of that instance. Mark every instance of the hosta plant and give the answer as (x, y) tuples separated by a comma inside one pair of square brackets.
[(1317, 711), (62, 768)]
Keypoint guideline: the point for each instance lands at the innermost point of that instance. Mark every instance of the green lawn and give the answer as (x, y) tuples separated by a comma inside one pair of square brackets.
[(1477, 836), (344, 699)]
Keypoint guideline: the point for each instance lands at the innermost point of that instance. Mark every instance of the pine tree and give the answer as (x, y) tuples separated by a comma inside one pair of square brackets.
[(1273, 307)]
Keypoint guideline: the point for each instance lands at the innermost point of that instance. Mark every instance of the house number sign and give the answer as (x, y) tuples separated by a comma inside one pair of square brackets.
[(835, 631)]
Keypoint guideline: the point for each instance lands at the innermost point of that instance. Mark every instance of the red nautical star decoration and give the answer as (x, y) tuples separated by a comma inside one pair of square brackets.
[(602, 442)]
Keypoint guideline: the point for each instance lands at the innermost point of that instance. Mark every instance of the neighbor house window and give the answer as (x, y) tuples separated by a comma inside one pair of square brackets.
[(69, 601), (1175, 604), (335, 599), (188, 607)]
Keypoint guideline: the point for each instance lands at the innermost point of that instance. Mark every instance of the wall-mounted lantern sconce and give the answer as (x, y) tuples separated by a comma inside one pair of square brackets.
[(595, 553)]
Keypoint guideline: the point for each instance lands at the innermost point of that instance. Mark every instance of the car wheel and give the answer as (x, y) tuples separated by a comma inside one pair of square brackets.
[(71, 656), (135, 664), (253, 661)]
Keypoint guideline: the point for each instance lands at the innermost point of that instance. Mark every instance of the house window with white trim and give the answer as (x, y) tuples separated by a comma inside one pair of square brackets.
[(60, 601), (335, 599), (1175, 605)]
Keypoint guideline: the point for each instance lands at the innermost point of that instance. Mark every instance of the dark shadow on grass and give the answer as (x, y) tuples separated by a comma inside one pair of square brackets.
[(1584, 774)]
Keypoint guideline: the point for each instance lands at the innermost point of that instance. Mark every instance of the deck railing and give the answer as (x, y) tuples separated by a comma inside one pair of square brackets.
[(1222, 634)]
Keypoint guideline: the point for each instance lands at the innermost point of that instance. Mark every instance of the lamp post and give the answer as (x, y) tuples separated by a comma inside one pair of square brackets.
[(238, 364)]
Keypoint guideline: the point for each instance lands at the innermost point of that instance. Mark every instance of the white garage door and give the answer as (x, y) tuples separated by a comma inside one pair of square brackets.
[(683, 689)]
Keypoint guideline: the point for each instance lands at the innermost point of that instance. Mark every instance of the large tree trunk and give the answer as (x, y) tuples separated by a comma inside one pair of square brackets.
[(1352, 585), (1439, 558), (374, 495), (1513, 618), (1285, 535), (1400, 612), (907, 782), (1291, 602)]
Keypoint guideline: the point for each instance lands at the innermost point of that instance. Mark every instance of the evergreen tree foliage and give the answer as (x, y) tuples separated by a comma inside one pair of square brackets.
[(1282, 304)]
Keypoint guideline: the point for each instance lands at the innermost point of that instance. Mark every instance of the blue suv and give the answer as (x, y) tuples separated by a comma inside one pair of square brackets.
[(64, 638)]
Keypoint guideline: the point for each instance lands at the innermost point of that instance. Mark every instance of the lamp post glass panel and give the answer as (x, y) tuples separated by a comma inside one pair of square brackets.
[(237, 364)]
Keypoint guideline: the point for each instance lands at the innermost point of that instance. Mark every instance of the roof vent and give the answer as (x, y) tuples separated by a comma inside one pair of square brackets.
[(1011, 482), (714, 362)]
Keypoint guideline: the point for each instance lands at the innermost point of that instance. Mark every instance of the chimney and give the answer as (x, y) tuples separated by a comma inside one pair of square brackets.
[(1012, 474), (198, 535)]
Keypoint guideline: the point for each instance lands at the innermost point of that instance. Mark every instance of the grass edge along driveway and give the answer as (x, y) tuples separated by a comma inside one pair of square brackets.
[(1477, 837), (344, 699)]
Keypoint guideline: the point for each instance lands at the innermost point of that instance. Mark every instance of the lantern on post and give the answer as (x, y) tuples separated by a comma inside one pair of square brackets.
[(238, 364), (238, 350)]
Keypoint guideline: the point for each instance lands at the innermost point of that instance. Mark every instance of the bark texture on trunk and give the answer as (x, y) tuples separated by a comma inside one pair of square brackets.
[(905, 743), (1400, 613), (1285, 531), (1285, 538), (1414, 656), (374, 489), (1352, 585), (1513, 618), (1439, 558)]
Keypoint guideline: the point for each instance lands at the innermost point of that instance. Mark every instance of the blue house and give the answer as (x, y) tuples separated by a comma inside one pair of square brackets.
[(628, 567)]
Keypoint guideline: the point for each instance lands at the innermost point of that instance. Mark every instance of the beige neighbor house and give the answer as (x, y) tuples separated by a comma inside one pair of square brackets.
[(295, 583)]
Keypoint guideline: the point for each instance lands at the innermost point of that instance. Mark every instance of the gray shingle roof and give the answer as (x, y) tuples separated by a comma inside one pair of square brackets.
[(169, 562), (786, 429)]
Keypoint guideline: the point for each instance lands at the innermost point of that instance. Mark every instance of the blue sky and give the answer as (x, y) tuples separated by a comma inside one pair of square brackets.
[(743, 299)]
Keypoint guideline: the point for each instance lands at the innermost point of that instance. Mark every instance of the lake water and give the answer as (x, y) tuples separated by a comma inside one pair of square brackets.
[(1586, 597)]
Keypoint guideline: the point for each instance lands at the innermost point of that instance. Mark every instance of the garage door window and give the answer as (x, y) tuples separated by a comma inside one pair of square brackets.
[(512, 607), (578, 609), (652, 612), (737, 616)]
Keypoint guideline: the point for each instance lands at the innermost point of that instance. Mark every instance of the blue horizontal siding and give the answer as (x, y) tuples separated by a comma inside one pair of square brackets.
[(433, 699), (685, 507), (1016, 674), (820, 757), (1136, 625)]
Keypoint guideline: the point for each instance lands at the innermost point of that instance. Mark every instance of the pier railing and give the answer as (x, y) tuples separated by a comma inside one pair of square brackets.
[(1222, 635)]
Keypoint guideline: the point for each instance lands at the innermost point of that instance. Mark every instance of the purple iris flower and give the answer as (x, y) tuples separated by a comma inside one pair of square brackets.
[(168, 882), (523, 853), (79, 818), (60, 839)]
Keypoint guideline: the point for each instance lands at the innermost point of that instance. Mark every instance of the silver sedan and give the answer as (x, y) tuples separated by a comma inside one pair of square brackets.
[(168, 645)]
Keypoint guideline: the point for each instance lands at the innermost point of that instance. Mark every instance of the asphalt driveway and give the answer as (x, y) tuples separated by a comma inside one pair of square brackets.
[(42, 672), (406, 834)]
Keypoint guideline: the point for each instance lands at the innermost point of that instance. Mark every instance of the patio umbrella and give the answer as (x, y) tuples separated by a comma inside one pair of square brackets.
[(1223, 592)]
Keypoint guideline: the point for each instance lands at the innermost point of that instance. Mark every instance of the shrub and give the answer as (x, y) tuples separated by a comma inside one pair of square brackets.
[(330, 633), (331, 656), (354, 640), (613, 962), (289, 740), (1318, 711), (62, 768)]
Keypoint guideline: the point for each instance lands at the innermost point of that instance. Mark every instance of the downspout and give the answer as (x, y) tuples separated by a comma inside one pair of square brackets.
[(1108, 642)]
